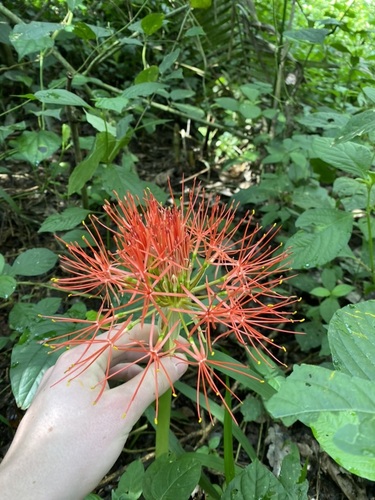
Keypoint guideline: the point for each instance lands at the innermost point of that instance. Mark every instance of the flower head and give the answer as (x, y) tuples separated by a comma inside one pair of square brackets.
[(203, 272)]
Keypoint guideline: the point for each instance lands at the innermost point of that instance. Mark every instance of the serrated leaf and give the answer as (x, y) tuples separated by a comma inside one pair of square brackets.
[(168, 479), (68, 219), (325, 233), (360, 124), (60, 97), (351, 339), (330, 402), (7, 286), (349, 157), (130, 484), (34, 262), (256, 481)]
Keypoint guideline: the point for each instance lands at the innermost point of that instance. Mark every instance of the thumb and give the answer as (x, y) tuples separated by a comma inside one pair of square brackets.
[(139, 392)]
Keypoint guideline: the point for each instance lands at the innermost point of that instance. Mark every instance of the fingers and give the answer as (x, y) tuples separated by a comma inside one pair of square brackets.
[(133, 397)]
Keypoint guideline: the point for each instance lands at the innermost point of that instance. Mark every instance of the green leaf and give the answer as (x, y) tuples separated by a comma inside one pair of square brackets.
[(86, 169), (152, 23), (257, 482), (352, 193), (218, 413), (227, 103), (180, 94), (7, 286), (150, 74), (320, 292), (370, 93), (125, 180), (35, 147), (338, 407), (349, 157), (169, 60), (100, 124), (82, 30), (60, 97), (249, 111), (130, 484), (200, 4), (30, 360), (68, 219), (34, 262), (352, 340), (33, 37), (117, 104), (168, 478), (360, 124), (342, 290), (2, 263), (143, 90), (309, 35), (192, 111), (325, 232)]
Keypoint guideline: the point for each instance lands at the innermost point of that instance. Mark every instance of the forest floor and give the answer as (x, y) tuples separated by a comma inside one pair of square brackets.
[(328, 481)]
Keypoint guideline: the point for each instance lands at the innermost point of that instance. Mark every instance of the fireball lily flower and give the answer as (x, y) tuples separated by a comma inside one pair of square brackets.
[(195, 267)]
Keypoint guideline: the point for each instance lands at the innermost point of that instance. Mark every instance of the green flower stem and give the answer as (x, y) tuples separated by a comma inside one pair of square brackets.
[(165, 401), (163, 424), (229, 466)]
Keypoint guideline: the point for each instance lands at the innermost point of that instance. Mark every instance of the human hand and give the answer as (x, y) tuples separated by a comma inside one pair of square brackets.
[(65, 444)]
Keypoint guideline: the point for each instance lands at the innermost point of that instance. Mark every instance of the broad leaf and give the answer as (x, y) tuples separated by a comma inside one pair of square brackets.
[(130, 484), (325, 232), (152, 23), (360, 124), (352, 340), (30, 360), (34, 262), (7, 286), (350, 157), (68, 219), (339, 408), (143, 90), (168, 478), (60, 97), (86, 169), (309, 35), (35, 147)]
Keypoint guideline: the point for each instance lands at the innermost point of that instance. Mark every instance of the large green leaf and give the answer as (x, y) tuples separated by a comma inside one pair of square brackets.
[(33, 37), (86, 169), (258, 482), (309, 35), (351, 336), (339, 408), (360, 124), (324, 233), (7, 286), (30, 360), (68, 219), (168, 478), (130, 484), (152, 23), (35, 147), (34, 262), (350, 157), (60, 97)]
